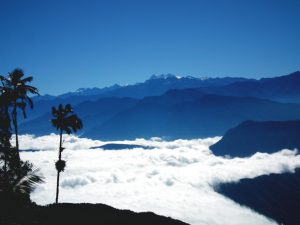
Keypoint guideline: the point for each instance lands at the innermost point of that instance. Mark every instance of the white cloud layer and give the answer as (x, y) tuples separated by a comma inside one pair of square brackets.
[(174, 179)]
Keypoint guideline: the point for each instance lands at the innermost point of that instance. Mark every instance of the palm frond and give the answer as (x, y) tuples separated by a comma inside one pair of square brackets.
[(26, 183), (14, 85), (32, 90), (27, 79), (65, 120)]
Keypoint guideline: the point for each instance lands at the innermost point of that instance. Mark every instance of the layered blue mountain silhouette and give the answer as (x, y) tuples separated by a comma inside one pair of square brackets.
[(173, 116), (283, 88), (173, 107), (252, 136), (154, 86), (93, 113)]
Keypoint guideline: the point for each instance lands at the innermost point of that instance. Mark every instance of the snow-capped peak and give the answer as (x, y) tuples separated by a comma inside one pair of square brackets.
[(163, 76)]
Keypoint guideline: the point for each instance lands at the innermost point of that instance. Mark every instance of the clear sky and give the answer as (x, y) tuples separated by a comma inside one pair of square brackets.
[(67, 44)]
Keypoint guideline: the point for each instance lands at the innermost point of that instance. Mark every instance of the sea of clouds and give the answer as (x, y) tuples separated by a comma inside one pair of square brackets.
[(175, 178)]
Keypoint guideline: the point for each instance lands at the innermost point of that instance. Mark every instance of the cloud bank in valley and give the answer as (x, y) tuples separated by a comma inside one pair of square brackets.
[(175, 178)]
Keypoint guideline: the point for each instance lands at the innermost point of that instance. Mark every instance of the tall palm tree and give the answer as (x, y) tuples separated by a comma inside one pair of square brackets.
[(15, 85), (64, 121)]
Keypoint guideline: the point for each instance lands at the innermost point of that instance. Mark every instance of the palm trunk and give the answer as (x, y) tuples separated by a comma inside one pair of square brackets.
[(58, 172), (57, 187), (16, 126), (15, 122)]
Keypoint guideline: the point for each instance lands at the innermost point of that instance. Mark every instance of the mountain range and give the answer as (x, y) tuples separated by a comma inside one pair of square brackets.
[(172, 107), (282, 88)]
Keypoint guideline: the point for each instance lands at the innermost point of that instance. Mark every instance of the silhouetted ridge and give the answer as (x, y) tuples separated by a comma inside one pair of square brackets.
[(283, 88), (276, 196), (250, 137), (155, 86), (87, 214), (173, 107)]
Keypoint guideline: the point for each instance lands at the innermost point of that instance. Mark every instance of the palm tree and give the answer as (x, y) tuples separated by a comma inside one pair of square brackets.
[(17, 178), (15, 85), (64, 121)]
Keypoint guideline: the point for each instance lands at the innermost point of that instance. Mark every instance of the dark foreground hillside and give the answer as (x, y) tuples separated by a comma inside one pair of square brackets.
[(277, 196), (85, 214)]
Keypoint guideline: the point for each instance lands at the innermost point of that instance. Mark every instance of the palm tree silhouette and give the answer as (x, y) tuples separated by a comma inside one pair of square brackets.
[(15, 86), (64, 121), (17, 178)]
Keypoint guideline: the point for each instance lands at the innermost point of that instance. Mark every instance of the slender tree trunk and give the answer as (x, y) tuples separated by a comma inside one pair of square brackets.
[(16, 126), (57, 187), (15, 122), (58, 172)]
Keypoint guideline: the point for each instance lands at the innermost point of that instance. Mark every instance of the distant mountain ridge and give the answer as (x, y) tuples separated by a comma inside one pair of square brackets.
[(172, 107), (154, 86), (283, 88), (90, 91)]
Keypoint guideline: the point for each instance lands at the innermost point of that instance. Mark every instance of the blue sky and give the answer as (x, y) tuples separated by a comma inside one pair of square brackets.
[(78, 43)]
